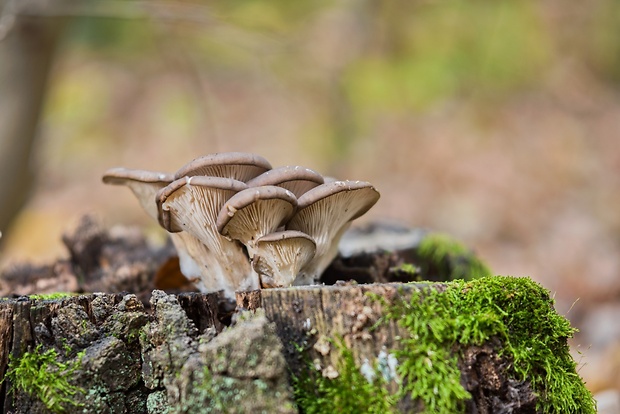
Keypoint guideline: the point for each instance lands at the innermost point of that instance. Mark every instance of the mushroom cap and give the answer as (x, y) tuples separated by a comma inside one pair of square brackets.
[(325, 212), (279, 256), (144, 184), (120, 176), (255, 212), (240, 166), (196, 198), (296, 179)]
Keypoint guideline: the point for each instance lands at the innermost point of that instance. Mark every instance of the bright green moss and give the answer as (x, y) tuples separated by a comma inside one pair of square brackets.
[(42, 375), (517, 311), (441, 255), (52, 296), (350, 392)]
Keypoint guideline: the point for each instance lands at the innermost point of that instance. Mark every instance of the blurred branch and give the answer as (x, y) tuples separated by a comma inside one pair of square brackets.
[(161, 11), (117, 9)]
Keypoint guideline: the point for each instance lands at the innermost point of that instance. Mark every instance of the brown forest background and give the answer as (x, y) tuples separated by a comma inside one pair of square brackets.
[(495, 121)]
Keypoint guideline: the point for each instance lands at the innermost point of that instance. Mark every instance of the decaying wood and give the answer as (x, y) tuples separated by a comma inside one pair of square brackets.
[(137, 359), (177, 353), (315, 315)]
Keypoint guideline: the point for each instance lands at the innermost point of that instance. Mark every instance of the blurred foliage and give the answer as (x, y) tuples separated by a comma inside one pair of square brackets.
[(403, 57), (451, 48), (604, 44)]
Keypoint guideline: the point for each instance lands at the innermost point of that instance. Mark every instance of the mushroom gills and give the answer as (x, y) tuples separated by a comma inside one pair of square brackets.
[(193, 209), (240, 166), (296, 179), (324, 213), (280, 256), (254, 213)]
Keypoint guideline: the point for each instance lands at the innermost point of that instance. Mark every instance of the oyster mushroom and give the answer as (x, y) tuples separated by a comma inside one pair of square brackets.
[(296, 179), (324, 213), (192, 204), (279, 256), (255, 212), (238, 165), (144, 184)]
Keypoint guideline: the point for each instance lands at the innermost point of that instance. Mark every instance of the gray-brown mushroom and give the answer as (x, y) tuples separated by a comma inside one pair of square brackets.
[(324, 213), (211, 213), (296, 179), (144, 184), (253, 213), (280, 256), (240, 166)]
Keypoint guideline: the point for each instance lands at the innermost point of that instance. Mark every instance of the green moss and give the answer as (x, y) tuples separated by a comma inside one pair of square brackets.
[(441, 255), (350, 392), (52, 296), (516, 311), (42, 375)]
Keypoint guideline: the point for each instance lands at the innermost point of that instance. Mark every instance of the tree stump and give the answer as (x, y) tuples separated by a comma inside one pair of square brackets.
[(345, 348)]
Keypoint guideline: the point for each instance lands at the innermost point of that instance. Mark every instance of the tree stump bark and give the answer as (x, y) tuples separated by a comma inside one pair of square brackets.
[(317, 348)]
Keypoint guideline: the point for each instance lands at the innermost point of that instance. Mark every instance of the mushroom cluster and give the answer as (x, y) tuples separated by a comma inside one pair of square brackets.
[(239, 224)]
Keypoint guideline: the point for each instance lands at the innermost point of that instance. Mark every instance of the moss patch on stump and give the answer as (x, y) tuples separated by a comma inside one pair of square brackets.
[(449, 326)]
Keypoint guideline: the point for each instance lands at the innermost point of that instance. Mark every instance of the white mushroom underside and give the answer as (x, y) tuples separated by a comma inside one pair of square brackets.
[(279, 264), (256, 220), (145, 193), (194, 209), (298, 187), (325, 221), (238, 172)]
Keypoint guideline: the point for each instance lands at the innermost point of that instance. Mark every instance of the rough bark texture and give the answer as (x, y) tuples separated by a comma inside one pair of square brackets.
[(129, 359), (174, 357)]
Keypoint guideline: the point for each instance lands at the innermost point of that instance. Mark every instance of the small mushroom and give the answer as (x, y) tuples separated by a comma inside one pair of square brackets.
[(255, 212), (296, 179), (241, 166), (324, 213), (192, 204), (144, 184), (279, 256)]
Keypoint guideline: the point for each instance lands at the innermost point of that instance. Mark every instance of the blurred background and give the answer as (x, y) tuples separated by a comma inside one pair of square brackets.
[(497, 122)]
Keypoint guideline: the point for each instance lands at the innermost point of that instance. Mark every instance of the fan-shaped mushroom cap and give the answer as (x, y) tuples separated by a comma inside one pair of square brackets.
[(198, 195), (240, 166), (144, 184), (255, 212), (192, 204), (279, 256), (324, 213), (296, 179)]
